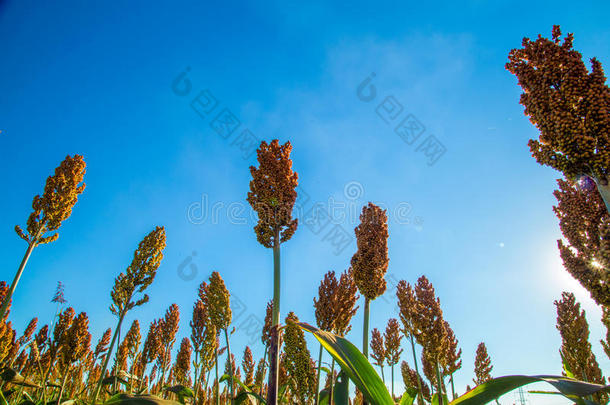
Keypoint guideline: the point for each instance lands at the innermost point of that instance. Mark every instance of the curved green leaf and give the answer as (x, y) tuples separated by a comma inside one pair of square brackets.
[(354, 364), (572, 389), (408, 397)]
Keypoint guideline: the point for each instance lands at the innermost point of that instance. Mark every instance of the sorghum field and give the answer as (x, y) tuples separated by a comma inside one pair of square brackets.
[(413, 359)]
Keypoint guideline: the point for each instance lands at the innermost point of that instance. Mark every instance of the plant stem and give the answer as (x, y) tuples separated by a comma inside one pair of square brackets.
[(11, 289), (195, 381), (452, 387), (420, 398), (392, 381), (317, 401), (107, 357), (439, 384), (275, 329), (217, 382), (365, 329), (332, 382), (365, 334), (382, 374), (63, 384), (230, 366)]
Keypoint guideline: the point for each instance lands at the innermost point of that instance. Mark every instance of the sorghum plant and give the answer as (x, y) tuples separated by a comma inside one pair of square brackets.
[(60, 194), (272, 195), (138, 276)]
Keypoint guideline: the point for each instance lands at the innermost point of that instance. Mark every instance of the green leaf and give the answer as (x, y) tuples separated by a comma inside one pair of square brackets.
[(3, 400), (354, 364), (341, 389), (13, 377), (408, 397), (572, 389), (111, 379), (566, 366), (435, 399), (125, 399), (182, 392)]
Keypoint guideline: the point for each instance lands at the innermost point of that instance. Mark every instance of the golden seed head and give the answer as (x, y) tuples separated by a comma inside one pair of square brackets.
[(76, 341), (140, 273), (182, 367), (266, 333), (298, 360), (248, 365), (575, 348), (370, 262), (377, 348), (392, 338), (273, 193), (326, 305), (218, 299), (61, 192), (482, 365)]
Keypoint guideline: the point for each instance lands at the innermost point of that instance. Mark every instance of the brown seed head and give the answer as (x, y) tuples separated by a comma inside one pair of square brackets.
[(377, 348), (370, 262), (266, 333), (482, 365), (392, 342), (272, 193), (326, 304), (183, 362), (568, 104), (585, 223), (248, 365), (575, 347), (347, 296)]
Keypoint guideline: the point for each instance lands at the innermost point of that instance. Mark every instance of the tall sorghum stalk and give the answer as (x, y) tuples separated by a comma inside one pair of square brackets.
[(407, 304), (272, 195), (217, 298), (61, 192), (370, 262), (392, 346), (326, 308), (138, 276)]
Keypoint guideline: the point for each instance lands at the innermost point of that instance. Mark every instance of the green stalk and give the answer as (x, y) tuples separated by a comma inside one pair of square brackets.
[(439, 385), (63, 384), (332, 382), (318, 379), (452, 387), (230, 366), (392, 381), (195, 381), (11, 289), (365, 334), (420, 398), (365, 329), (382, 375), (275, 330), (217, 383), (107, 357)]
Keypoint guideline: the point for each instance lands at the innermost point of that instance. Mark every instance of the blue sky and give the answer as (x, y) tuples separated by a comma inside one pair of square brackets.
[(95, 78)]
